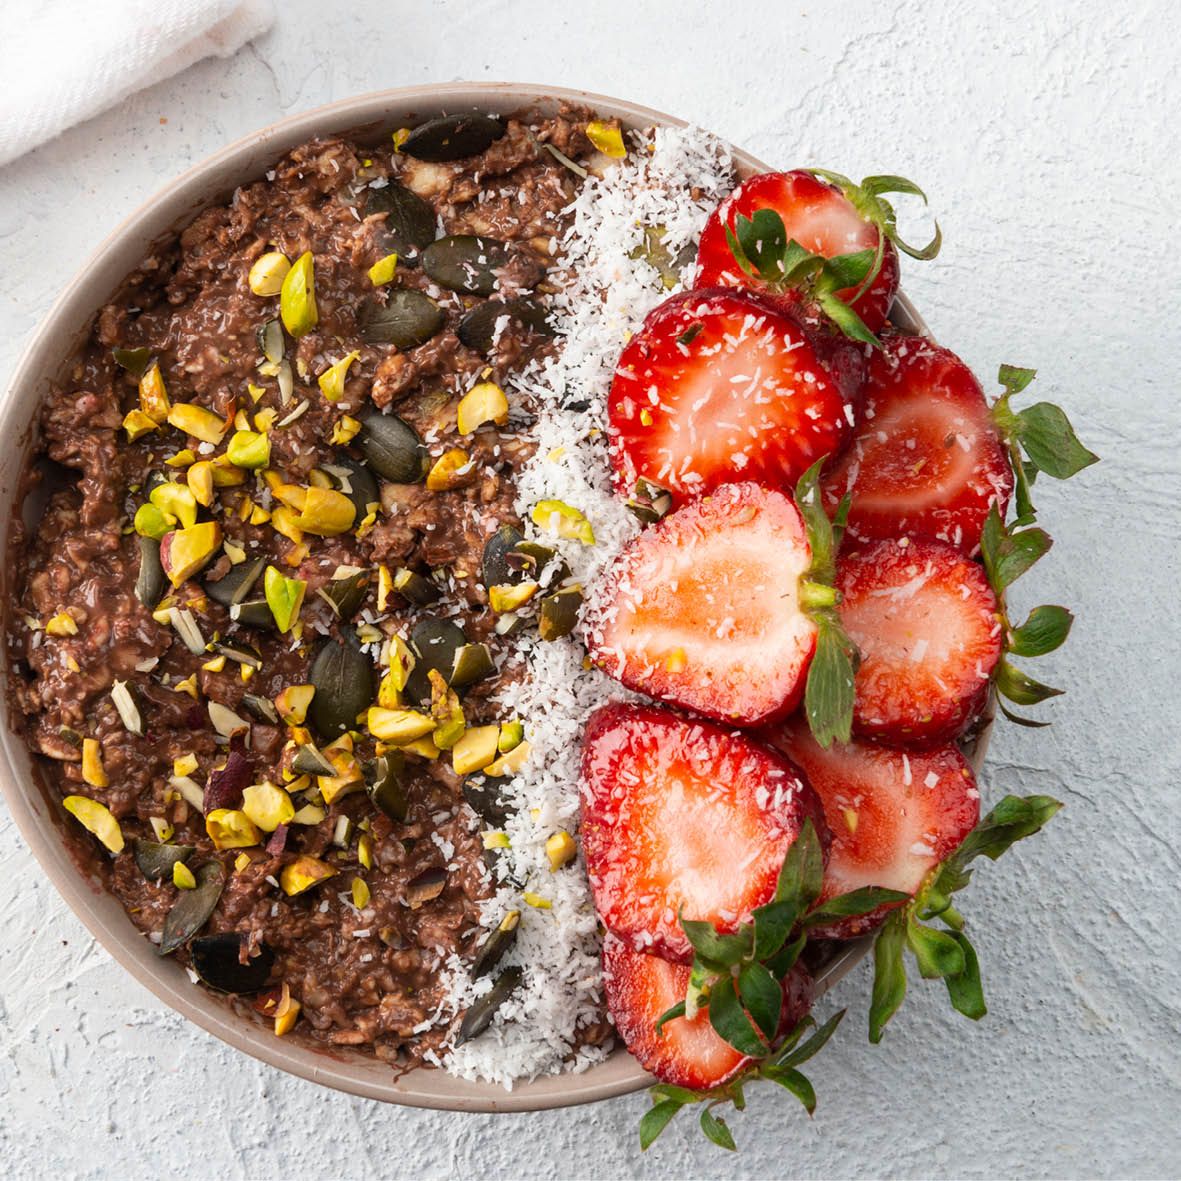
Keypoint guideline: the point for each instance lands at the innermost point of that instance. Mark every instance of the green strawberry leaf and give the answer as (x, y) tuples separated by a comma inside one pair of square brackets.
[(889, 974), (655, 1120), (796, 1083), (785, 959), (1044, 631), (678, 1010), (1049, 440), (1021, 688), (773, 924), (828, 691), (1018, 720), (819, 529), (1014, 378), (965, 988), (716, 1130), (762, 996), (718, 949), (798, 1055), (1007, 555), (730, 1021), (856, 902), (846, 319), (668, 1091), (801, 877), (1013, 819), (847, 270), (936, 952)]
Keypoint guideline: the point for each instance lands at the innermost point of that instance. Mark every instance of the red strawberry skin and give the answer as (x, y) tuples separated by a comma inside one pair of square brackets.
[(641, 988), (701, 609), (816, 215), (928, 627), (718, 386), (925, 459), (894, 815), (682, 817)]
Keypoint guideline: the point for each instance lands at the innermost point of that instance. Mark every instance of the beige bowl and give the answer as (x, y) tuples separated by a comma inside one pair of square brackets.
[(38, 813)]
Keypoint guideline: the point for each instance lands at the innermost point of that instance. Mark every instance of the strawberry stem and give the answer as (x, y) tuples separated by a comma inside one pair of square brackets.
[(816, 596)]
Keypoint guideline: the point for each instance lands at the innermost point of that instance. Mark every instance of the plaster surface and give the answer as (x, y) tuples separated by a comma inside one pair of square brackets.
[(1046, 137)]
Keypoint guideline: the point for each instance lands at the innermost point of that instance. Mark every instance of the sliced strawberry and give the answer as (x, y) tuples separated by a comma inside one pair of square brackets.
[(926, 622), (815, 214), (926, 459), (894, 815), (717, 386), (642, 988), (683, 818), (702, 609)]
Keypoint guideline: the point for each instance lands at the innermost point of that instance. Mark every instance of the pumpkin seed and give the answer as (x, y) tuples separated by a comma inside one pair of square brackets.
[(485, 796), (253, 613), (416, 588), (426, 887), (465, 263), (539, 563), (473, 662), (477, 326), (345, 595), (558, 615), (217, 959), (262, 708), (383, 785), (435, 643), (410, 221), (151, 581), (356, 481), (496, 945), (662, 260), (406, 319), (452, 137), (343, 677), (191, 911), (155, 860), (479, 1016), (236, 584), (310, 760), (270, 340), (392, 447), (246, 654), (494, 565)]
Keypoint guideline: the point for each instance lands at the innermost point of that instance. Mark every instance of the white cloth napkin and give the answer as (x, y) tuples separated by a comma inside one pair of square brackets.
[(66, 60)]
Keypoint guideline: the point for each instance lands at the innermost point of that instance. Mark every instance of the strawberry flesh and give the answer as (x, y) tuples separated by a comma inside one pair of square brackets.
[(718, 386), (925, 459), (926, 622), (683, 818), (820, 218), (641, 988), (894, 815), (702, 610)]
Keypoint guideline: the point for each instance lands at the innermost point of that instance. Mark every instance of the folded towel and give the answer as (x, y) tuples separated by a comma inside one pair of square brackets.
[(66, 60)]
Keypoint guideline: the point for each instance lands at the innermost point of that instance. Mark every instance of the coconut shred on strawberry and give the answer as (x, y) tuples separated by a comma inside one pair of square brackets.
[(926, 459), (683, 819), (718, 386)]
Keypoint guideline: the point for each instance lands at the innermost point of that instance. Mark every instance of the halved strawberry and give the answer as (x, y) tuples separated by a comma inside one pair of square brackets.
[(718, 386), (685, 1053), (893, 814), (681, 818), (928, 628), (926, 459), (703, 608), (815, 214)]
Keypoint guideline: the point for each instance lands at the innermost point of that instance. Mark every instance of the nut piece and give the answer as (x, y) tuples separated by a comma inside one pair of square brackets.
[(292, 703), (96, 818), (509, 764), (382, 271), (484, 402), (229, 828), (249, 449), (185, 551), (182, 876), (284, 597), (475, 750), (398, 726), (197, 421), (267, 806), (92, 763), (303, 873), (153, 397), (557, 517), (286, 1012), (331, 381), (453, 469), (607, 138), (176, 501), (268, 272), (137, 424), (297, 297), (326, 512), (560, 849)]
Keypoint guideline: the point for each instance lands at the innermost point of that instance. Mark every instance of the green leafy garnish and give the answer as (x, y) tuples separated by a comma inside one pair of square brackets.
[(945, 952), (739, 978)]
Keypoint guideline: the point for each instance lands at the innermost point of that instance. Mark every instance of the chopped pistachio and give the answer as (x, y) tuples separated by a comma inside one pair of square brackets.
[(267, 806), (153, 397), (185, 765), (398, 725), (560, 849), (249, 449), (197, 421), (188, 685), (242, 861), (453, 469), (331, 381), (303, 873), (182, 876), (255, 391), (511, 596), (512, 734), (137, 424), (385, 584), (185, 551), (62, 624), (400, 137), (229, 828), (326, 512), (175, 500), (268, 272), (286, 1012), (509, 764), (365, 850), (200, 481), (285, 521), (182, 458), (345, 430), (163, 830), (265, 419), (475, 750), (424, 748), (495, 840), (93, 771), (536, 901), (382, 271), (309, 814), (284, 597), (361, 893), (297, 297), (607, 138), (226, 474), (96, 818), (484, 402), (557, 517), (292, 703), (241, 420)]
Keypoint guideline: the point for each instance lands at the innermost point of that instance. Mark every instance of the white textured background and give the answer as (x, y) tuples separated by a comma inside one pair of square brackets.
[(1048, 142)]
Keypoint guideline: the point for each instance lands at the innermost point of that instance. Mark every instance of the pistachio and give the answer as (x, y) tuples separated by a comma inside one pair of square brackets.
[(156, 859), (392, 447), (135, 361), (286, 1012), (236, 584), (475, 750), (397, 726), (561, 849), (512, 734), (199, 478), (361, 893), (607, 138), (182, 877), (270, 341), (383, 785), (303, 873), (326, 512), (345, 594), (284, 597), (97, 819), (230, 828), (478, 326), (62, 624), (465, 263), (557, 517), (356, 481), (473, 662), (174, 501), (426, 887), (410, 221), (511, 597), (510, 763), (479, 1017), (93, 771), (185, 551), (267, 806), (191, 911), (484, 402), (453, 469), (332, 380), (383, 271), (414, 588), (452, 137), (406, 319), (558, 614), (217, 959), (496, 944), (297, 297), (537, 901), (137, 424), (343, 678), (292, 703), (197, 421), (268, 272), (249, 449), (153, 397)]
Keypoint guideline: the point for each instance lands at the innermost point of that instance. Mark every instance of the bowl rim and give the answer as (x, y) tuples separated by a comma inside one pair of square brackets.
[(74, 309)]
